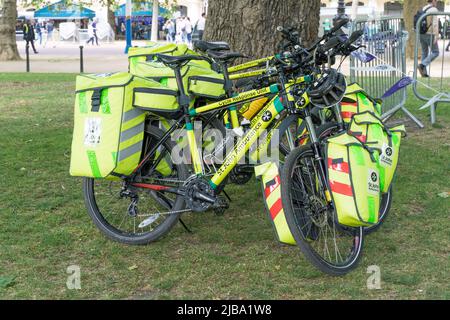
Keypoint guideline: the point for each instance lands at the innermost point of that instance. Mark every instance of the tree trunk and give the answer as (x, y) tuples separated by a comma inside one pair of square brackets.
[(411, 7), (249, 26), (155, 14), (8, 45), (110, 15)]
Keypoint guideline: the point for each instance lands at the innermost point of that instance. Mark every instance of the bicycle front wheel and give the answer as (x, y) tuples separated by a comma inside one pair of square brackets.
[(330, 247)]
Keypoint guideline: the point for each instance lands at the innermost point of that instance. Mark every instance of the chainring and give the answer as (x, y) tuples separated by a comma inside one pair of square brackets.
[(197, 185)]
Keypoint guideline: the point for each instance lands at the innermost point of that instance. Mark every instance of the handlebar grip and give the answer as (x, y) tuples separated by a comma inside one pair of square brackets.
[(339, 24), (355, 36), (333, 42)]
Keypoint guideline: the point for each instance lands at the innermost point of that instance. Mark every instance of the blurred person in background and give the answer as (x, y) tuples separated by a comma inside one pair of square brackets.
[(28, 34), (188, 26), (429, 40), (201, 26)]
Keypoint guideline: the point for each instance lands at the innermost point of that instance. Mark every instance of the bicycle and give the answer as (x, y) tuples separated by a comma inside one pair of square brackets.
[(173, 191)]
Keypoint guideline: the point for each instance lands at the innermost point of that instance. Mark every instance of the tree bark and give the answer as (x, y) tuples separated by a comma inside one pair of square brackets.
[(249, 26), (411, 7), (8, 45), (110, 15)]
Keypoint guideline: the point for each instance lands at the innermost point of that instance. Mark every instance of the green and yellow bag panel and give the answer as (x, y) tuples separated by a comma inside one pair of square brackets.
[(208, 85), (147, 53), (108, 130), (370, 130), (198, 81), (353, 178), (198, 77), (158, 100), (271, 185), (356, 100)]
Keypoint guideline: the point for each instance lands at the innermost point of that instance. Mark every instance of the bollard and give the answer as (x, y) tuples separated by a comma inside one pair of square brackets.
[(81, 60), (27, 52)]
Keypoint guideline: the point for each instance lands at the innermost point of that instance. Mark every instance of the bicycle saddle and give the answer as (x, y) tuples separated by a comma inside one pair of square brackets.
[(177, 60), (225, 56), (205, 45)]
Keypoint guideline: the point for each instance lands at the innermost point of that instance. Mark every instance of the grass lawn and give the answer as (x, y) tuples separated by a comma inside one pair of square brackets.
[(44, 227)]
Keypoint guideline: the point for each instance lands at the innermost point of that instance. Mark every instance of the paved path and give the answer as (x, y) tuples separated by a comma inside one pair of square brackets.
[(65, 57), (110, 57)]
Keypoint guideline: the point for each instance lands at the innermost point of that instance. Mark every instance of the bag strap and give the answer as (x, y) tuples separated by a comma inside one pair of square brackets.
[(95, 100), (378, 121)]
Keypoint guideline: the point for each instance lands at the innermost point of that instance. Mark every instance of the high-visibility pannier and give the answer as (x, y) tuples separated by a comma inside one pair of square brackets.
[(197, 80), (356, 100), (148, 53), (207, 85), (108, 130), (271, 185), (354, 180), (370, 130), (198, 77), (158, 99)]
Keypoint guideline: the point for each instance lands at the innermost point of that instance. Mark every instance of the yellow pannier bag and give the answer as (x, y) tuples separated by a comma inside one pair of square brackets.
[(147, 53), (108, 132), (198, 77), (271, 184), (356, 100), (210, 85), (158, 100), (370, 130), (353, 178)]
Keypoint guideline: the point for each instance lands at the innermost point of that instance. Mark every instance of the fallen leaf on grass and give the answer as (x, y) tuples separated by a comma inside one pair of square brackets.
[(6, 282), (132, 267)]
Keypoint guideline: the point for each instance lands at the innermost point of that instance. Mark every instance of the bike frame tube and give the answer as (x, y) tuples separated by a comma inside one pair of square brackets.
[(274, 108), (249, 65), (244, 96), (243, 75), (193, 148)]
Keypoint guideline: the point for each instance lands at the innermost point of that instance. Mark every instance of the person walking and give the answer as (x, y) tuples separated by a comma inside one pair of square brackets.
[(169, 30), (188, 26), (201, 26), (180, 30), (447, 33), (50, 27), (90, 34), (39, 28), (28, 34), (429, 39), (123, 29), (94, 28)]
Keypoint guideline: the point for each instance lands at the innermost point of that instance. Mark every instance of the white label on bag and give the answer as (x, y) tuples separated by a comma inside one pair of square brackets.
[(386, 156), (373, 182), (92, 131)]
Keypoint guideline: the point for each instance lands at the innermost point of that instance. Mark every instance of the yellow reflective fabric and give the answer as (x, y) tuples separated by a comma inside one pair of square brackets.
[(271, 184)]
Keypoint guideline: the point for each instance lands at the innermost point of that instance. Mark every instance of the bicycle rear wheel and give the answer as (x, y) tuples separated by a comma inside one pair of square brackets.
[(139, 216)]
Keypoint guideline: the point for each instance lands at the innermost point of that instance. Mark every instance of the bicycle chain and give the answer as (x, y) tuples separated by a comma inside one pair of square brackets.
[(164, 213)]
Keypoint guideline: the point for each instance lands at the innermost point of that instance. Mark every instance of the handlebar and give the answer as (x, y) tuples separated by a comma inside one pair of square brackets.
[(339, 24)]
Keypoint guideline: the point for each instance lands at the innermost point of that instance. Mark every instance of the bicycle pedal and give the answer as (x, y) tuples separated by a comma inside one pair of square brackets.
[(221, 205)]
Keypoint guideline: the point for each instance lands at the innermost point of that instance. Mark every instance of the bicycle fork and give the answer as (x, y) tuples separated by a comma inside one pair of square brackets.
[(315, 143)]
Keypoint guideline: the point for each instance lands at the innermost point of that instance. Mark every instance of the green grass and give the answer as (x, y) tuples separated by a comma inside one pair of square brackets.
[(44, 227)]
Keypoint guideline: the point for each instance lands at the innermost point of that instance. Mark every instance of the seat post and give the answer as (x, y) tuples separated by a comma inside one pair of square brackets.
[(183, 99), (228, 82)]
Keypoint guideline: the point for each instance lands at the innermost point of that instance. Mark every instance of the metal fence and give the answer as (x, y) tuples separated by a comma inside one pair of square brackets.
[(386, 39), (434, 84)]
